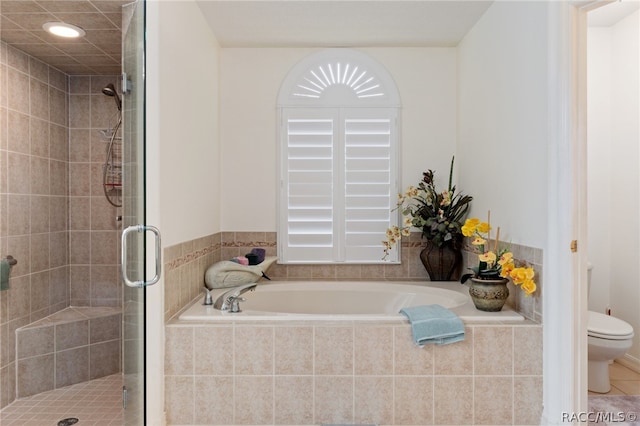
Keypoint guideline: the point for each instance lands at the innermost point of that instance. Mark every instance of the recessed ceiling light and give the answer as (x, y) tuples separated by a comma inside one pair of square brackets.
[(63, 29)]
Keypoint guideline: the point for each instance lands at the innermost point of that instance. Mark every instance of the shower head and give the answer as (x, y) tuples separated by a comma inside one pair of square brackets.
[(109, 90)]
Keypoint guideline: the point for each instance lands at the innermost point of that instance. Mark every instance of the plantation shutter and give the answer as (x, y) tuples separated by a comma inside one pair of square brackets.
[(338, 169), (308, 186), (369, 181), (338, 159)]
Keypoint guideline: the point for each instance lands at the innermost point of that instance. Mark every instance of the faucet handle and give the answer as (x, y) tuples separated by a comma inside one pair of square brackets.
[(235, 303), (208, 300)]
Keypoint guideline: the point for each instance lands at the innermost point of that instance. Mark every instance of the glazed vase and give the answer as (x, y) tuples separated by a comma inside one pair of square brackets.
[(442, 263), (489, 295)]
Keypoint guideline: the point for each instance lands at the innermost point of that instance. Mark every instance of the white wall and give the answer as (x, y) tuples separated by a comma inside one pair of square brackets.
[(599, 138), (249, 85), (502, 132), (188, 116), (183, 155), (614, 163)]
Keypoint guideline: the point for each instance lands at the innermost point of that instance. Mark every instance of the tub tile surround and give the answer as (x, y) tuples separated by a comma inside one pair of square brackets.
[(318, 372), (184, 267), (186, 263), (324, 372)]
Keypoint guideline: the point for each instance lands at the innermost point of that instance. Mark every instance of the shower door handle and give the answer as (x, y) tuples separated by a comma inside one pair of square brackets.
[(124, 252)]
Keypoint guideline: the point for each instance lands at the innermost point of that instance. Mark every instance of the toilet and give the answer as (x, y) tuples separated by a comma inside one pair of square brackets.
[(608, 338)]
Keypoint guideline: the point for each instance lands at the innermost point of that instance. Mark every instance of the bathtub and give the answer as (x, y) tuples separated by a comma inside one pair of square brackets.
[(345, 301)]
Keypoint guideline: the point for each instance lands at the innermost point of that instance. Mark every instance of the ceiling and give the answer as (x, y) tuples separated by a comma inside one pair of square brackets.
[(341, 23), (260, 23), (99, 52), (611, 13), (239, 23)]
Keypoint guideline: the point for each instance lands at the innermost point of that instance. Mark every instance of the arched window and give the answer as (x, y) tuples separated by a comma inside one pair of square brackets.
[(339, 113)]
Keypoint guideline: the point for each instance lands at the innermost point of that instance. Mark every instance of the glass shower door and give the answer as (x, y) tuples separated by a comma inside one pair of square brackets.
[(133, 203)]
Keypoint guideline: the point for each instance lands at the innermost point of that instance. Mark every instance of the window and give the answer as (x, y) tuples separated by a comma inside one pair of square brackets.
[(338, 159)]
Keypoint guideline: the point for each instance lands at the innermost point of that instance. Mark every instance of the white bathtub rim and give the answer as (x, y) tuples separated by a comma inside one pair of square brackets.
[(197, 312)]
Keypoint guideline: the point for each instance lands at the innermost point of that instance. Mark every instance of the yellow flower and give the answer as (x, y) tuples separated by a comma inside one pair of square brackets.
[(530, 273), (400, 198), (505, 265), (506, 269), (528, 286), (406, 221), (405, 232), (469, 227), (479, 241), (483, 227), (489, 257), (519, 275), (505, 258)]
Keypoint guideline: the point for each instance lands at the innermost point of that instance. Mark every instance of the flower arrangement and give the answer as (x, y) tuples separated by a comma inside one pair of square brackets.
[(438, 214), (495, 264)]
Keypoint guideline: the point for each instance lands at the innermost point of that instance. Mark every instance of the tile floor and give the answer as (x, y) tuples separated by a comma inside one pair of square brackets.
[(624, 381), (95, 403)]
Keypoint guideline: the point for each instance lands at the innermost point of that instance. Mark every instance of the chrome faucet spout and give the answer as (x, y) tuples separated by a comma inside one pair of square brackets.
[(226, 301)]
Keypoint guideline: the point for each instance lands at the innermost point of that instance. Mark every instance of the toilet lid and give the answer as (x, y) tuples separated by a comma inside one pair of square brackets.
[(608, 327)]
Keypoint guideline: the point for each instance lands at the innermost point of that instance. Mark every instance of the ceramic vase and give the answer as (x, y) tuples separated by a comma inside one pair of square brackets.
[(489, 295), (442, 263)]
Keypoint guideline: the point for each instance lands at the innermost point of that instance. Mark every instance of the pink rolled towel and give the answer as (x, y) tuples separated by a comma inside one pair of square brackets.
[(240, 260)]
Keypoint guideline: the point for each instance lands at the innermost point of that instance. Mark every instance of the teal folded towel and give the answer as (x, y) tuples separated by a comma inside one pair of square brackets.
[(434, 324), (5, 269)]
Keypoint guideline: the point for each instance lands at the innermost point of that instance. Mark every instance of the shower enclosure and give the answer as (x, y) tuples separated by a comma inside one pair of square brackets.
[(61, 150)]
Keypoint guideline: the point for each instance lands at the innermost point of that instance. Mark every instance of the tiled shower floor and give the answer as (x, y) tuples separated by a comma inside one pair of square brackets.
[(95, 403)]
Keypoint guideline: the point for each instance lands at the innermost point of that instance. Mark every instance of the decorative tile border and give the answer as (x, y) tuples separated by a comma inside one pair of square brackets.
[(189, 257)]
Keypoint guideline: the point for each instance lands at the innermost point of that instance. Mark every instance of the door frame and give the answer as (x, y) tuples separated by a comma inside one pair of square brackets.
[(563, 348), (154, 307), (565, 294)]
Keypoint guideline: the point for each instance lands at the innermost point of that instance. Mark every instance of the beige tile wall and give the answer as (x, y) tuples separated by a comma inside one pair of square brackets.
[(33, 198), (184, 266), (94, 232), (323, 372), (51, 213)]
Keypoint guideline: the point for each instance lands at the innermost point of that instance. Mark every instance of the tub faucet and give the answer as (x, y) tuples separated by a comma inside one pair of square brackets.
[(229, 300)]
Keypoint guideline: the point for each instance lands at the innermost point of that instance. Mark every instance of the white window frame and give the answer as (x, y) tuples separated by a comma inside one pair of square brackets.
[(322, 88)]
